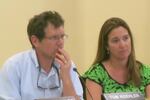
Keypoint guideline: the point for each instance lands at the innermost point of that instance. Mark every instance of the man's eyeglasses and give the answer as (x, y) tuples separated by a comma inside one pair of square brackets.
[(53, 82), (57, 37)]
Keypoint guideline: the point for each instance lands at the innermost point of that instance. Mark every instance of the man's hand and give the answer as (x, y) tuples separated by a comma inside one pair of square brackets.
[(65, 64)]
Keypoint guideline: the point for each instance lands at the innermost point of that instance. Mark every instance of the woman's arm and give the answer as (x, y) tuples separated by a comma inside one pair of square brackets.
[(94, 89), (148, 91)]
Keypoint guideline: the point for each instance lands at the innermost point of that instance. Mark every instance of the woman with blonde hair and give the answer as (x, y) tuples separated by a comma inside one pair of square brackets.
[(115, 68)]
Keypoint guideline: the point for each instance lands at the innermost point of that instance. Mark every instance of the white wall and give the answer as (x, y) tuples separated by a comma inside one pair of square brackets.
[(134, 12), (83, 20)]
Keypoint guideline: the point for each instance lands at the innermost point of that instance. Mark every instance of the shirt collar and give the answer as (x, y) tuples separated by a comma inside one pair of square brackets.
[(34, 58)]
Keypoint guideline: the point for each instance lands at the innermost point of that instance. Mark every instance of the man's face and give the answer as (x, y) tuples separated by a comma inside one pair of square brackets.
[(53, 40)]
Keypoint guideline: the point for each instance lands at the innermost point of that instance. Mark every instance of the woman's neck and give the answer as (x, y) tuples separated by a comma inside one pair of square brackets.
[(118, 63), (117, 70)]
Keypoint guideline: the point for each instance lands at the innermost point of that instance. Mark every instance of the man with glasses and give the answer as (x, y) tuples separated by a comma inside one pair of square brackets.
[(45, 71)]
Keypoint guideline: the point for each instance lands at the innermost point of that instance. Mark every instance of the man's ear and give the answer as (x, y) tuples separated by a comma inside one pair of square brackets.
[(34, 40)]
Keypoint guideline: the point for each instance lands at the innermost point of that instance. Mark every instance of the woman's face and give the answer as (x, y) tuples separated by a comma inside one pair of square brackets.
[(119, 43)]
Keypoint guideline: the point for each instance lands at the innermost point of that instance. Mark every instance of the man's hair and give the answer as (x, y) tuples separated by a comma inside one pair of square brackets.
[(39, 22)]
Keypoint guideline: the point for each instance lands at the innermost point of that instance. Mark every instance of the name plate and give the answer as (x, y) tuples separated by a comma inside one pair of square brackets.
[(123, 96), (59, 98)]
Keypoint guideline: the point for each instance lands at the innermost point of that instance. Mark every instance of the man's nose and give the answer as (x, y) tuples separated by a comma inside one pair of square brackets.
[(60, 42)]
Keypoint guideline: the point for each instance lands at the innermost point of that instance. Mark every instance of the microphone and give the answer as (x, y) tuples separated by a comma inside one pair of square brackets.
[(83, 84)]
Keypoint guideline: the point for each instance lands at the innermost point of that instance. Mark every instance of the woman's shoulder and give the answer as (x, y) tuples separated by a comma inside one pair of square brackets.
[(95, 73), (145, 67), (96, 70), (145, 73), (96, 67), (145, 70)]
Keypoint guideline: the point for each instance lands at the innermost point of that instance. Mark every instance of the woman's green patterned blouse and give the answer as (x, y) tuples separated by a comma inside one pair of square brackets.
[(98, 74)]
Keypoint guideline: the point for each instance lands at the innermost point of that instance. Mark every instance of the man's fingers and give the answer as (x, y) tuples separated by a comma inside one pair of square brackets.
[(61, 58), (64, 53)]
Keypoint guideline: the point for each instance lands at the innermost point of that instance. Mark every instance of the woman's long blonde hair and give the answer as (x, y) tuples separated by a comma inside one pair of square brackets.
[(102, 53)]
